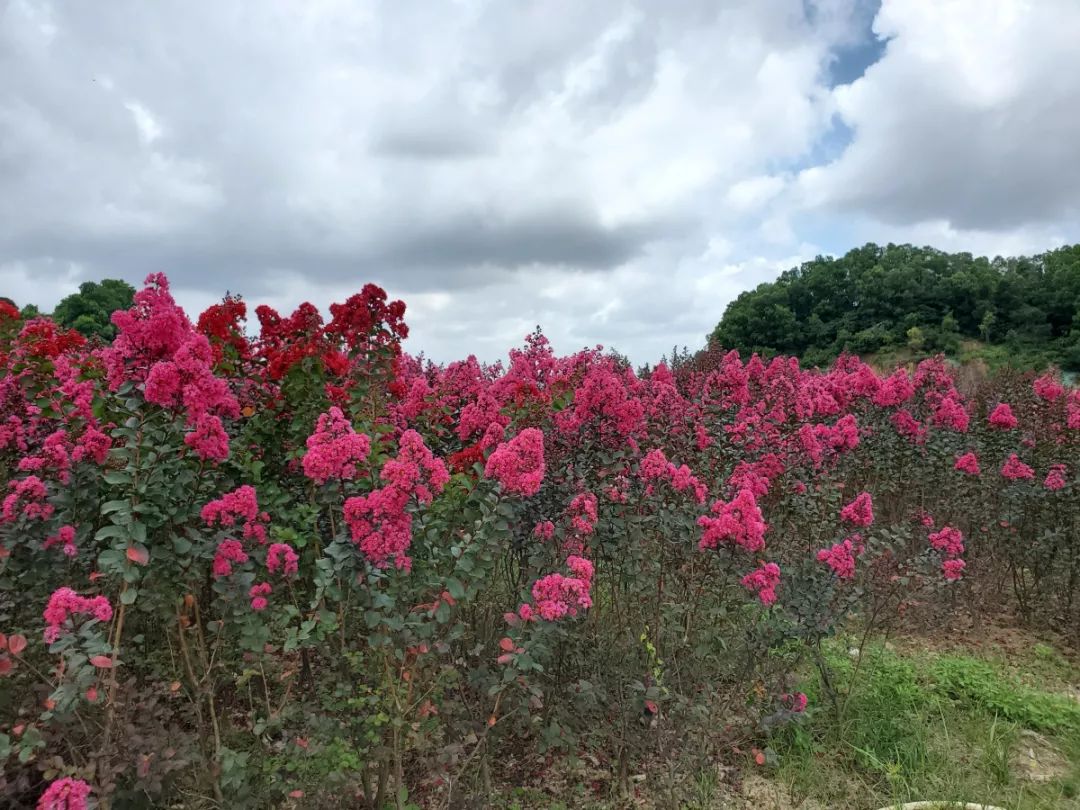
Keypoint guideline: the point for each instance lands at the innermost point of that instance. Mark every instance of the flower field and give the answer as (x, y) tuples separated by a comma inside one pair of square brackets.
[(306, 569)]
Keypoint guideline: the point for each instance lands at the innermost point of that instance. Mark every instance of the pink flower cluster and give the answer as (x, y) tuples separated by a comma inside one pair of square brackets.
[(656, 467), (258, 593), (156, 345), (948, 540), (334, 449), (794, 702), (65, 538), (228, 552), (556, 595), (1016, 470), (378, 522), (281, 556), (738, 521), (860, 512), (238, 508), (1002, 417), (763, 581), (1048, 388), (65, 794), (1056, 477), (544, 530), (65, 603), (583, 514), (26, 500), (840, 558), (967, 463), (518, 465)]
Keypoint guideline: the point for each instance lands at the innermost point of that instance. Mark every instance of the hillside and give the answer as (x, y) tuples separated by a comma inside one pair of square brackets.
[(882, 300)]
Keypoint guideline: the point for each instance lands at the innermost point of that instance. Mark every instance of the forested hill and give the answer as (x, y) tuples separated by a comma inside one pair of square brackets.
[(905, 299)]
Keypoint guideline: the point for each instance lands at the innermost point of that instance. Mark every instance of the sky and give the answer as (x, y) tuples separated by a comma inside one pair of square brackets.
[(613, 171)]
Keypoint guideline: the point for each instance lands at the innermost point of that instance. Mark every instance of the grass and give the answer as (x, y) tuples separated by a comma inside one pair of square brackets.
[(913, 725), (919, 726)]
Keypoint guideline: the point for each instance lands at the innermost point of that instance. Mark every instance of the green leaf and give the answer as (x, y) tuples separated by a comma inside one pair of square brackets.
[(106, 532), (129, 596), (456, 589), (117, 477)]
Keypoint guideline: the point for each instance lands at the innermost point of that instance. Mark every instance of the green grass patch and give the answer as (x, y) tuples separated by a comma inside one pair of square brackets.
[(919, 726)]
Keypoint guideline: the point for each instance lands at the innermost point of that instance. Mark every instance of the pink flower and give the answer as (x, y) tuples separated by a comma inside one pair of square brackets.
[(557, 596), (583, 514), (65, 604), (764, 581), (228, 552), (1002, 417), (380, 526), (258, 594), (949, 541), (525, 612), (65, 537), (239, 507), (839, 558), (518, 465), (794, 703), (953, 569), (1056, 477), (1014, 469), (967, 463), (209, 439), (860, 512), (26, 500), (738, 522), (334, 450), (544, 530), (281, 556), (950, 413), (1048, 388), (65, 794)]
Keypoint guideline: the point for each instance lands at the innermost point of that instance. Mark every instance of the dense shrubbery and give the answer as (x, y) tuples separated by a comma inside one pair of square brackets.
[(306, 567), (878, 299)]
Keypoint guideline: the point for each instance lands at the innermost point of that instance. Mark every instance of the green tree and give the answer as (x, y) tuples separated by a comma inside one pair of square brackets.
[(89, 310)]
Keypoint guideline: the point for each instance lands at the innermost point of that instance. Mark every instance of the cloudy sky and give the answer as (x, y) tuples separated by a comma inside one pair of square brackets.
[(613, 170)]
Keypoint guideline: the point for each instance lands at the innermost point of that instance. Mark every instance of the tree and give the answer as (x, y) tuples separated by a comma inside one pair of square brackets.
[(870, 298), (89, 310)]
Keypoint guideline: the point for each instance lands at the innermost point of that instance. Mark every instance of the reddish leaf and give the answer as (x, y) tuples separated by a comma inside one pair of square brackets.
[(17, 643), (138, 554), (5, 665), (101, 661), (506, 644)]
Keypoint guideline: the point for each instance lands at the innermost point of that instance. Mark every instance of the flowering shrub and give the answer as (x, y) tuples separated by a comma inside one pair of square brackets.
[(250, 568)]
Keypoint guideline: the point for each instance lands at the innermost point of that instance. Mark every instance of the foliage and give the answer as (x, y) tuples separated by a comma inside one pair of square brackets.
[(244, 571), (876, 299), (89, 310)]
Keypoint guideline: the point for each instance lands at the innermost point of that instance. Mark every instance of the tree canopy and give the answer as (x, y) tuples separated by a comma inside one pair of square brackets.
[(876, 299), (89, 310)]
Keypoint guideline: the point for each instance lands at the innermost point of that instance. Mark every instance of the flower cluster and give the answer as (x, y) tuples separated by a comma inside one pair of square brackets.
[(656, 467), (840, 558), (764, 582), (334, 450), (282, 557), (1016, 470), (65, 604), (238, 508), (65, 794), (378, 522), (860, 512), (738, 522), (518, 465)]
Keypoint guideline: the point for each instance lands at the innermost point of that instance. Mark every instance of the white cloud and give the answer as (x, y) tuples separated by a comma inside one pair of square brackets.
[(614, 171)]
